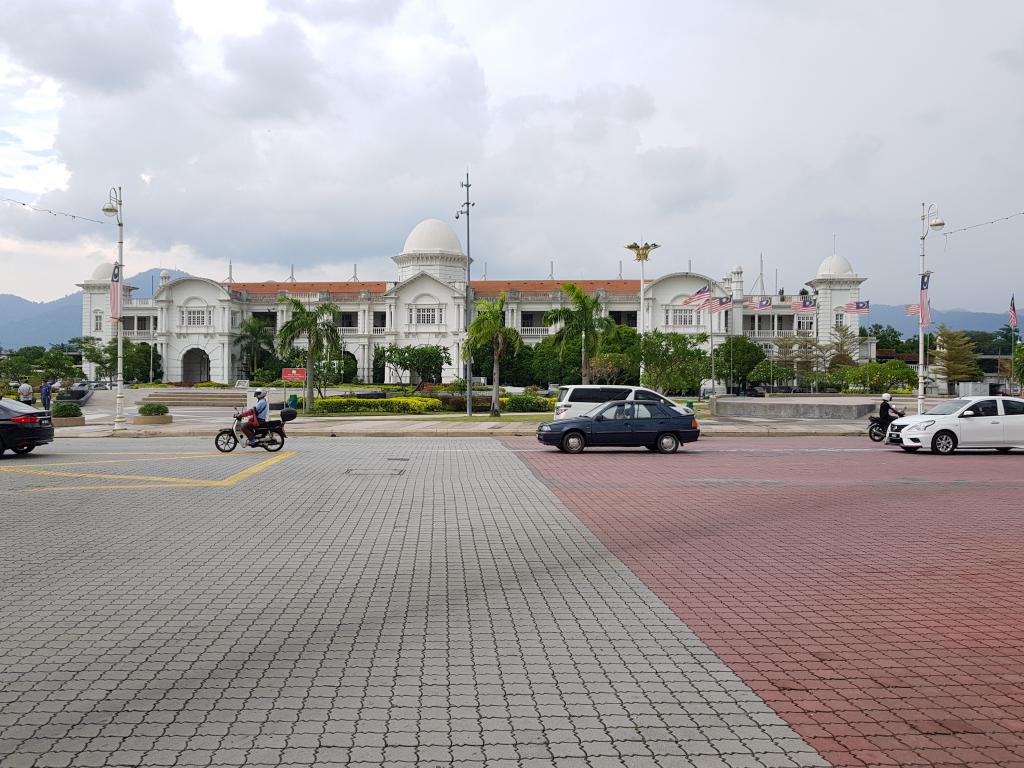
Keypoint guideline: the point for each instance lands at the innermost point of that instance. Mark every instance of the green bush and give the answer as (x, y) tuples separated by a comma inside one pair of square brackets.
[(527, 404), (388, 405), (63, 410), (214, 385), (153, 409), (154, 385), (457, 403)]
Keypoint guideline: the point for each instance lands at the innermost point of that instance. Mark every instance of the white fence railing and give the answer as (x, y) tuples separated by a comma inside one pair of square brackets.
[(534, 332)]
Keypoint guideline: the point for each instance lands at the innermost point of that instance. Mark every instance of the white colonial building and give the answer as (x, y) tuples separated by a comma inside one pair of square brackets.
[(194, 321)]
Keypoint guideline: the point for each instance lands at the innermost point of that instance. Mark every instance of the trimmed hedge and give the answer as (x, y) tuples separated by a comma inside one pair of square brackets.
[(153, 409), (527, 404), (389, 405), (65, 410)]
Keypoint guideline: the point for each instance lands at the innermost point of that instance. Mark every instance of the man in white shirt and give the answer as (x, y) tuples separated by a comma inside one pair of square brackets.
[(25, 394)]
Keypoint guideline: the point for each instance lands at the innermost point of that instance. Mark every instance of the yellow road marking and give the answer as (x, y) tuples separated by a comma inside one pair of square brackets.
[(166, 457), (147, 481)]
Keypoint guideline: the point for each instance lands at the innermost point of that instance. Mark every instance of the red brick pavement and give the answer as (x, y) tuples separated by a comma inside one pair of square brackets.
[(874, 598)]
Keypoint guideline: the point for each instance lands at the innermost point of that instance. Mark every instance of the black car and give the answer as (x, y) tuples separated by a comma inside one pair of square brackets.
[(653, 425), (23, 427)]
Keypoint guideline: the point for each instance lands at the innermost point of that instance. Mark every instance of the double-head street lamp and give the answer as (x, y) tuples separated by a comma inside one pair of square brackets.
[(642, 254), (930, 221), (113, 208), (464, 212)]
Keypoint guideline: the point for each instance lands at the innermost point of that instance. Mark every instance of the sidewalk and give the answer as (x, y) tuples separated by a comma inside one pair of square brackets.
[(392, 426)]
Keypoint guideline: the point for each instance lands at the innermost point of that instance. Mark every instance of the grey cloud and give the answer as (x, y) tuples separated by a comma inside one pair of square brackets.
[(332, 11), (110, 46), (275, 74), (678, 179)]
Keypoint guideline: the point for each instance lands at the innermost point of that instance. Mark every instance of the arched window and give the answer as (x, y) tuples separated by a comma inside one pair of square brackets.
[(97, 321)]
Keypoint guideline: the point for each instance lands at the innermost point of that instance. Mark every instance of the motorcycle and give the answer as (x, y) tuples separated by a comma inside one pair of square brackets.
[(877, 429), (269, 436)]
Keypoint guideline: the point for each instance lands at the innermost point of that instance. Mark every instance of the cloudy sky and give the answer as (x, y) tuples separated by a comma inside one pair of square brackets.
[(272, 132)]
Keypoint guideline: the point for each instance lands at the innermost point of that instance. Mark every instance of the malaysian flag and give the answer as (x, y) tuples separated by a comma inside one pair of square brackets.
[(763, 305), (926, 314), (804, 305), (1013, 313), (913, 310), (115, 293), (700, 295), (716, 305), (858, 307)]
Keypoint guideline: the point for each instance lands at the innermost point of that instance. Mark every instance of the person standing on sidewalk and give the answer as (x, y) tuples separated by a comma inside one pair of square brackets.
[(44, 392), (25, 394)]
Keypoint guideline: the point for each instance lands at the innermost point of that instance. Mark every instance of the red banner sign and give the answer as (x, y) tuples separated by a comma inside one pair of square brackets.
[(293, 374)]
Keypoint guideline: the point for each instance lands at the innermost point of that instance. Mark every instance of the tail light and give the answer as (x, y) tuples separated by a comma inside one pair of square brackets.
[(693, 423), (25, 419)]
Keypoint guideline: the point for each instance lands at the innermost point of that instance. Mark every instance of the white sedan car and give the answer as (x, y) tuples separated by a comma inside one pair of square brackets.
[(968, 422)]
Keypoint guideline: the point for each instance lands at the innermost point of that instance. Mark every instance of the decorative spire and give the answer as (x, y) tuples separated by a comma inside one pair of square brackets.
[(355, 274), (291, 277), (230, 278)]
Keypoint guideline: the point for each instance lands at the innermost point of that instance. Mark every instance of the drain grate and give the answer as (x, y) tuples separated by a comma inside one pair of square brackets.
[(374, 472)]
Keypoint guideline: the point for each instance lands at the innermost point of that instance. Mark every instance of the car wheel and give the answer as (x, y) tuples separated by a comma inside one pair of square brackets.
[(1004, 450), (574, 442), (911, 448), (667, 443), (21, 450), (944, 443)]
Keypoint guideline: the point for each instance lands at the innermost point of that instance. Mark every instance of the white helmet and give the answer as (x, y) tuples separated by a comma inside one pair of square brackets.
[(259, 393), (887, 397)]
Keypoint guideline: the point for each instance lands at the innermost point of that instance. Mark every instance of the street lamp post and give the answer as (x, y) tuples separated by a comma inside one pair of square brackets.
[(930, 220), (464, 211), (642, 254), (113, 207)]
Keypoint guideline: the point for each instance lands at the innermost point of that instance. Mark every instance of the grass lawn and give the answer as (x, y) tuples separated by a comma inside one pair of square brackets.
[(443, 416)]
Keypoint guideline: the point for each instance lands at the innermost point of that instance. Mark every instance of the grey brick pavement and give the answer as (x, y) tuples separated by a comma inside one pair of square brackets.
[(333, 612)]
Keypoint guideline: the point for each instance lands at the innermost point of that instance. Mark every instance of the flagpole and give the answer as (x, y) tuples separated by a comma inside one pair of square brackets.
[(114, 208)]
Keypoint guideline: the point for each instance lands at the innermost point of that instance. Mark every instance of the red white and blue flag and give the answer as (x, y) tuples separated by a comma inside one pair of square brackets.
[(700, 295), (763, 305), (1013, 313), (803, 306), (913, 310), (925, 310), (115, 293), (718, 304), (858, 307)]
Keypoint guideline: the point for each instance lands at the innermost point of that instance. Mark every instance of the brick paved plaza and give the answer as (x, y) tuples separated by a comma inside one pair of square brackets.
[(488, 604)]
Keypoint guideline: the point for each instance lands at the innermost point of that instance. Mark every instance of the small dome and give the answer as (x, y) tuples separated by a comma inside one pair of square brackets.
[(432, 235), (103, 272), (835, 266), (164, 274)]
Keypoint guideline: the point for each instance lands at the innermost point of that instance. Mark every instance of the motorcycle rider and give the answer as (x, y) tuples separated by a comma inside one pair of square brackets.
[(886, 413), (257, 416)]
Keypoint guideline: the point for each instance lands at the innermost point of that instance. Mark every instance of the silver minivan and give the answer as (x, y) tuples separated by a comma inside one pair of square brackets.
[(576, 399)]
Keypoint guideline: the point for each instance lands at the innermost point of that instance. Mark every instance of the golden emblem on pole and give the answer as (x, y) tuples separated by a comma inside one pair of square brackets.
[(642, 252)]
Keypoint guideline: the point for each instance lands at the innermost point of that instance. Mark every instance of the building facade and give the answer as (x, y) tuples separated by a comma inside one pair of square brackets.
[(194, 321)]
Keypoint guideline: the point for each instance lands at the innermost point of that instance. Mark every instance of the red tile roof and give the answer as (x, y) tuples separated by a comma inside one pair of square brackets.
[(536, 286)]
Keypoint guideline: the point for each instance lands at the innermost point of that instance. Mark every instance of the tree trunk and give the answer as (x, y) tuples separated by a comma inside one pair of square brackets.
[(495, 394), (309, 379)]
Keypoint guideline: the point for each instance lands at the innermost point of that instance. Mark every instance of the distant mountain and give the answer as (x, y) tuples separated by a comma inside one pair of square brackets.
[(25, 323), (960, 319)]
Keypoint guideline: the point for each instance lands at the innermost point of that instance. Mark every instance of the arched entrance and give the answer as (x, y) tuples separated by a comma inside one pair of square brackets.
[(195, 366)]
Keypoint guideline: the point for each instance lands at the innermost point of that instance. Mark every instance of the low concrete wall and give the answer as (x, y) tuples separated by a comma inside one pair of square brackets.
[(766, 408)]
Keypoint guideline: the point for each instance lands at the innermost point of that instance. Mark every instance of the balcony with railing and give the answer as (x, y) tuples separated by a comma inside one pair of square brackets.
[(770, 334), (534, 332), (143, 334), (380, 330)]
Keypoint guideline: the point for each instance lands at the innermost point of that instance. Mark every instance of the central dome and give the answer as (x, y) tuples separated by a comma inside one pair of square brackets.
[(432, 235), (835, 266), (103, 272)]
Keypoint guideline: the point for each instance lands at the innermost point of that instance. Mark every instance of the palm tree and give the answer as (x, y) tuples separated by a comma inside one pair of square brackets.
[(317, 326), (255, 336), (582, 320), (488, 327)]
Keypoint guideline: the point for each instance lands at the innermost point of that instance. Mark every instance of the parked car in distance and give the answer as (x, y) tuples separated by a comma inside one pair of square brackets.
[(23, 427), (967, 422), (578, 399), (648, 423)]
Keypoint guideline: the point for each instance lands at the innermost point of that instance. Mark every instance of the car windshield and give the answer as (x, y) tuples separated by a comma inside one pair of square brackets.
[(594, 411), (948, 407), (16, 406)]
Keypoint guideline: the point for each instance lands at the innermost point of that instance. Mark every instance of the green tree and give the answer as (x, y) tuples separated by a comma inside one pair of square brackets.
[(322, 336), (767, 372), (256, 338), (1018, 363), (97, 354), (611, 368), (886, 336), (624, 342), (674, 362), (425, 361), (55, 364), (581, 320), (735, 358), (488, 327), (954, 358), (557, 361)]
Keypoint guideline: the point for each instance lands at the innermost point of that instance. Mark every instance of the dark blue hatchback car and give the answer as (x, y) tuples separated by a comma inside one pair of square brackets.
[(653, 425)]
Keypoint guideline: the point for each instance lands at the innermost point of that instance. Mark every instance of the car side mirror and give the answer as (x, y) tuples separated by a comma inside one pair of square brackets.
[(599, 417), (967, 414)]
